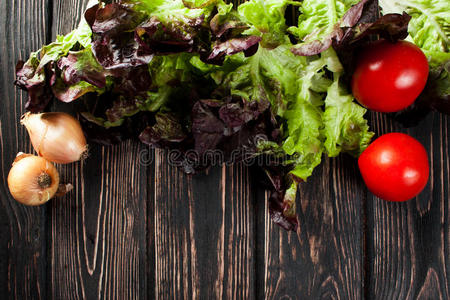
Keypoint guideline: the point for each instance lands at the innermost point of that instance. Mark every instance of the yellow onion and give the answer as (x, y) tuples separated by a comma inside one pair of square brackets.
[(32, 180), (56, 136)]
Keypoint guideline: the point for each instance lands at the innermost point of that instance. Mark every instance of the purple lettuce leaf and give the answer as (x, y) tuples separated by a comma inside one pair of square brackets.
[(166, 132), (272, 175), (121, 108), (231, 124), (249, 45), (75, 75), (68, 93), (231, 128), (225, 26), (207, 128), (362, 12), (282, 209), (82, 66), (356, 28), (124, 38), (182, 34), (132, 82), (33, 81), (113, 40)]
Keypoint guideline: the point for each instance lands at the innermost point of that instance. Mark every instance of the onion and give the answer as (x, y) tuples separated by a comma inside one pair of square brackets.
[(56, 136), (32, 180)]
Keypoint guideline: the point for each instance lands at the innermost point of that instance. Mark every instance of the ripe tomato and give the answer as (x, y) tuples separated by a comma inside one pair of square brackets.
[(395, 167), (389, 76)]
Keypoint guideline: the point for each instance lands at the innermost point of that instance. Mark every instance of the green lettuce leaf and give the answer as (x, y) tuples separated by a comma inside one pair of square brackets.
[(319, 17), (318, 20), (345, 129), (167, 9), (266, 18), (268, 75)]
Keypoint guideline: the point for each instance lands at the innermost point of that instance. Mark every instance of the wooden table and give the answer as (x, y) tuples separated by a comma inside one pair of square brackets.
[(131, 231)]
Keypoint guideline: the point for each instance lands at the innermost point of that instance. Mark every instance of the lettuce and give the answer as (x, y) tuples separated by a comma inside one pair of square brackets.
[(345, 128), (32, 75), (200, 76), (318, 19), (266, 19), (189, 75)]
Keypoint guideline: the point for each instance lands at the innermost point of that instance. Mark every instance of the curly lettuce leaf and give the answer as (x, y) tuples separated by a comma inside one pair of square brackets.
[(266, 18), (32, 80), (269, 75), (282, 207), (63, 44), (304, 117), (115, 40), (31, 75), (164, 9), (162, 83), (318, 22), (82, 66), (319, 17), (128, 35), (358, 26), (166, 131), (345, 128)]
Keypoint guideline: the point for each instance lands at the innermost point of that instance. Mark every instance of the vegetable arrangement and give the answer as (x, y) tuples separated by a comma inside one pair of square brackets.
[(200, 76)]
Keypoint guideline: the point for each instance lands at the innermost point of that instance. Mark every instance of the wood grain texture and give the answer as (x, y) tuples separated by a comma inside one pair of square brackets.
[(204, 229), (97, 242), (22, 229), (136, 227), (97, 233), (323, 259), (409, 243)]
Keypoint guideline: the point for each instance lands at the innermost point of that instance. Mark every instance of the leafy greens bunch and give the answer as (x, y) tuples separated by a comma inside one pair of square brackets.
[(201, 76)]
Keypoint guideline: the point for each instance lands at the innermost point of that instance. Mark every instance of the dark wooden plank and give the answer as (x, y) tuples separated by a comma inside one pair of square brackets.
[(204, 229), (203, 232), (323, 259), (409, 243), (97, 242), (97, 234), (22, 229)]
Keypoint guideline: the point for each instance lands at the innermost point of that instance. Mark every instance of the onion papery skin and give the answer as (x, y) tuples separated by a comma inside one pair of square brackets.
[(56, 136), (23, 180)]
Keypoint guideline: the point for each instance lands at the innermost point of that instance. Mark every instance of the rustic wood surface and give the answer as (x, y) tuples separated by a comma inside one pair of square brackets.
[(137, 228)]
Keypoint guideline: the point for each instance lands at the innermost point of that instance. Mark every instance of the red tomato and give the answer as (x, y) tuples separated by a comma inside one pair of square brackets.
[(395, 167), (389, 76)]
